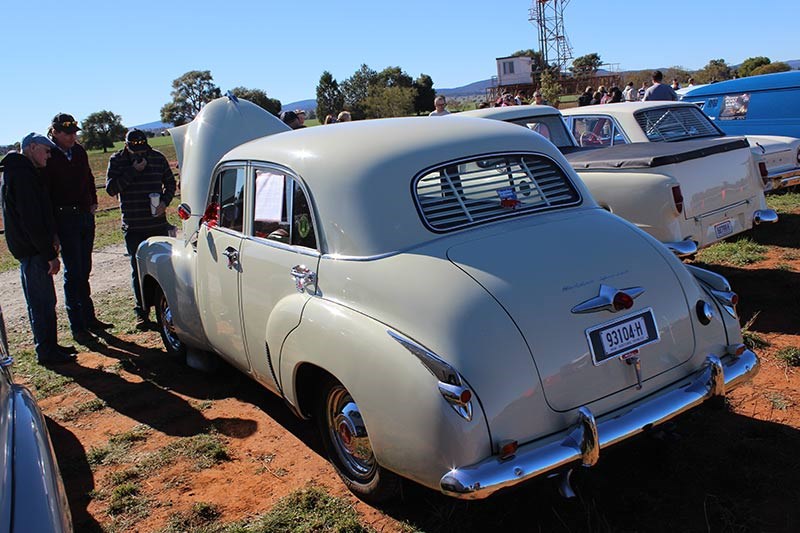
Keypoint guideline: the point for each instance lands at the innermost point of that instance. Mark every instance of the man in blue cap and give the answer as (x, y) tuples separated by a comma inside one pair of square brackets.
[(30, 232)]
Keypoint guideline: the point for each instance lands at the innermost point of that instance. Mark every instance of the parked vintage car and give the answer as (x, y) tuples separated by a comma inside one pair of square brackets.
[(756, 105), (612, 124), (443, 296), (32, 495), (686, 195)]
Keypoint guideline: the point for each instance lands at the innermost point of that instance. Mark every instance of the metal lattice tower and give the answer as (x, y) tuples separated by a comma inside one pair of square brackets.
[(548, 15)]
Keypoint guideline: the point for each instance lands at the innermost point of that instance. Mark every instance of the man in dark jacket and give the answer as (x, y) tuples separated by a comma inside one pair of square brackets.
[(74, 199), (144, 182), (31, 236)]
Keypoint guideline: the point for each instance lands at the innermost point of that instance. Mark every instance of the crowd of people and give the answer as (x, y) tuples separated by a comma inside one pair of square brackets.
[(49, 201), (657, 90)]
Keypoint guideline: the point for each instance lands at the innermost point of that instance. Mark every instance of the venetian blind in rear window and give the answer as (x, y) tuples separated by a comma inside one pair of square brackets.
[(675, 123), (477, 191)]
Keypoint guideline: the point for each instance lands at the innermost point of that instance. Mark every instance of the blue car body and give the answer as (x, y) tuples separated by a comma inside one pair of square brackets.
[(757, 105)]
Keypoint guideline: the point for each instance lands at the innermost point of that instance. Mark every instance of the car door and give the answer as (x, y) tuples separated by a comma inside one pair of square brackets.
[(218, 266), (279, 261)]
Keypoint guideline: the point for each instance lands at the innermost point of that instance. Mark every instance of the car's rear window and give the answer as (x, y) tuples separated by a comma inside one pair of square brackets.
[(675, 123), (500, 186)]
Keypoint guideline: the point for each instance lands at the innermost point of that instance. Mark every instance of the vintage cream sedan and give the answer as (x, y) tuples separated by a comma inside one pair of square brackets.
[(777, 157), (443, 297), (687, 195)]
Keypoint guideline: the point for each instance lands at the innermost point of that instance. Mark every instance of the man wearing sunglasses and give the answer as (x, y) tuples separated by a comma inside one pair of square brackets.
[(74, 199), (145, 184)]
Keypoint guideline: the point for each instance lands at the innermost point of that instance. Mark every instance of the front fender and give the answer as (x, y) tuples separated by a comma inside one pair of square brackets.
[(169, 264), (412, 429), (39, 498)]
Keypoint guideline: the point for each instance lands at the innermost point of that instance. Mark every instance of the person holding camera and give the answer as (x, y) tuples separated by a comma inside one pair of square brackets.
[(74, 198), (144, 182)]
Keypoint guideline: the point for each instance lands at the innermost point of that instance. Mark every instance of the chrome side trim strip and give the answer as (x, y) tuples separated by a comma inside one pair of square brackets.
[(721, 209), (581, 443)]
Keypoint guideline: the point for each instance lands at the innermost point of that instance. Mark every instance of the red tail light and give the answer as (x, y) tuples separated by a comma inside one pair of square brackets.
[(622, 301), (677, 197), (508, 449), (762, 169), (183, 213)]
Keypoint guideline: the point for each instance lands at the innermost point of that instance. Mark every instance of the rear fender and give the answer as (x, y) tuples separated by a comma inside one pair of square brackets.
[(413, 430), (168, 264), (642, 198)]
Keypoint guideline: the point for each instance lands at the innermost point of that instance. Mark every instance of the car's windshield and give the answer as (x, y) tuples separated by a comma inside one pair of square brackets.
[(552, 127), (675, 124)]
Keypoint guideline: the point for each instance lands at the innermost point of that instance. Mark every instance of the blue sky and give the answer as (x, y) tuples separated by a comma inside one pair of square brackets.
[(85, 56)]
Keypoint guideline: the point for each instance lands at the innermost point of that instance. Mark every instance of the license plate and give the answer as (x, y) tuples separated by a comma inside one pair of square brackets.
[(622, 336), (723, 229)]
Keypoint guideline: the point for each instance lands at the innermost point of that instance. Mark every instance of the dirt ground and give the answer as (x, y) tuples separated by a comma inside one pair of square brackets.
[(717, 468)]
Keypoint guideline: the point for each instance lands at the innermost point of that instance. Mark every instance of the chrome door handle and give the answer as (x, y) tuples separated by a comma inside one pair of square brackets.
[(233, 257), (303, 277)]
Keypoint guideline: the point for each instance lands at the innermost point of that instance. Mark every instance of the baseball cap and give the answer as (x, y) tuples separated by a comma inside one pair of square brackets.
[(66, 123), (36, 138), (136, 140), (288, 117)]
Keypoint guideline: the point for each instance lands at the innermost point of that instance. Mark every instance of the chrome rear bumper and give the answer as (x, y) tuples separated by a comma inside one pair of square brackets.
[(765, 216), (784, 179), (585, 439)]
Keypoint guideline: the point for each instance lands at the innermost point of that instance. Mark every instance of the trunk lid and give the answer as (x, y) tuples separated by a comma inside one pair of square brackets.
[(714, 174), (540, 289)]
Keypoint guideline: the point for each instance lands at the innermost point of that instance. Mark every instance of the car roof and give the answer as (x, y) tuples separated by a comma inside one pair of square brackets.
[(622, 108), (763, 82), (510, 112), (360, 173)]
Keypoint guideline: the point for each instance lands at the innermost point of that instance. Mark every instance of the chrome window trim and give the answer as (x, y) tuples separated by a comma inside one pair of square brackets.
[(613, 120), (512, 214), (263, 165)]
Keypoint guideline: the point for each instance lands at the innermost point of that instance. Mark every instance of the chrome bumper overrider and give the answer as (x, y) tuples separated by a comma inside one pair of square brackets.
[(585, 439), (765, 215)]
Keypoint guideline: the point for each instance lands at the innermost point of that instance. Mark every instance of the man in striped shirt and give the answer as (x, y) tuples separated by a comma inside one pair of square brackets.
[(137, 173)]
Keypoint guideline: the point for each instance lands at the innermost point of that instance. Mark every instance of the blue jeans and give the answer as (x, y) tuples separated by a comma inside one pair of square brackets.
[(40, 294), (76, 233), (133, 238)]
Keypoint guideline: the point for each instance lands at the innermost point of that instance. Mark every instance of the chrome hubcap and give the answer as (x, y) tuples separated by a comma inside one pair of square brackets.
[(349, 435), (167, 325)]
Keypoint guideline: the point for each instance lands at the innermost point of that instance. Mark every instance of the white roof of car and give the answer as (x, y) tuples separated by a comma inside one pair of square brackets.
[(510, 112), (360, 173), (621, 109)]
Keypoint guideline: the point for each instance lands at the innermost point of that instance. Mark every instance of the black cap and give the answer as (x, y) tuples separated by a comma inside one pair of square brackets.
[(288, 117), (136, 140), (66, 123)]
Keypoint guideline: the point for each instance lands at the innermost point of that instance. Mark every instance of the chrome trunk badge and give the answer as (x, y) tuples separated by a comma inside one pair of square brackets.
[(609, 299)]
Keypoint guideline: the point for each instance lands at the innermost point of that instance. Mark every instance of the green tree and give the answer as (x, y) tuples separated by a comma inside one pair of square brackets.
[(678, 72), (586, 65), (190, 93), (101, 130), (330, 99), (395, 101), (778, 66), (537, 61), (356, 89), (258, 97), (423, 102), (716, 70), (550, 88), (393, 77), (750, 64)]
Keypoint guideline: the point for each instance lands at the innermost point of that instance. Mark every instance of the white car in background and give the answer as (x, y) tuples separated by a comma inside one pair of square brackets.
[(442, 296), (687, 195), (777, 157)]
